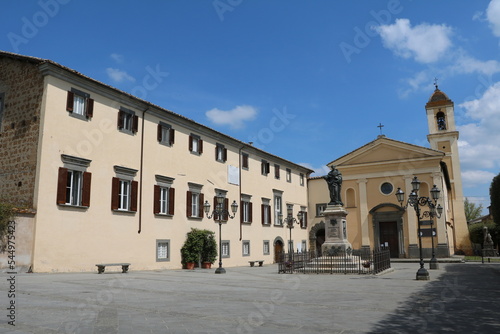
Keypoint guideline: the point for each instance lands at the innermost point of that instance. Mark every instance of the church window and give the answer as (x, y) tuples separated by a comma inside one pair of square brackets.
[(441, 120), (386, 188)]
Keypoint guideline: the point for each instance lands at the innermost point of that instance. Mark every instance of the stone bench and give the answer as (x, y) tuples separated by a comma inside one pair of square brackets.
[(252, 263), (102, 266)]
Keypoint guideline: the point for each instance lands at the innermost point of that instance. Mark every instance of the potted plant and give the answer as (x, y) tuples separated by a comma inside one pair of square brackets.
[(209, 249), (191, 250)]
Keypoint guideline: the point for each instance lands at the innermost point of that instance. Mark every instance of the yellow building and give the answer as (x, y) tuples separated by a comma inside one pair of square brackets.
[(106, 177), (373, 173)]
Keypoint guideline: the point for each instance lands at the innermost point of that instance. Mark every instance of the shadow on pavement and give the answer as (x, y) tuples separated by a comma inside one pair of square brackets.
[(464, 299)]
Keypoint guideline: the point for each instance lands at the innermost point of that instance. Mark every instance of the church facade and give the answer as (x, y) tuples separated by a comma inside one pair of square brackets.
[(374, 172)]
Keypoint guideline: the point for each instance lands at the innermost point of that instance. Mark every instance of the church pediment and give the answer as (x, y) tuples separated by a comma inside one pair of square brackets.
[(383, 150)]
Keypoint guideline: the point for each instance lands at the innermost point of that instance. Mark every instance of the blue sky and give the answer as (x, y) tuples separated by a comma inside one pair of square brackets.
[(305, 80)]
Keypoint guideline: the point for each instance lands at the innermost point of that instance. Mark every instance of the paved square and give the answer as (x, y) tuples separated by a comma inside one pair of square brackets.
[(459, 297)]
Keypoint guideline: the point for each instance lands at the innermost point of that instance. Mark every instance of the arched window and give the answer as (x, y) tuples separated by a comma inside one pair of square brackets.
[(441, 120), (350, 198)]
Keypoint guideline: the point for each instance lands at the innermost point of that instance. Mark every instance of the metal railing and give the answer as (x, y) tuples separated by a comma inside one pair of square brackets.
[(348, 262)]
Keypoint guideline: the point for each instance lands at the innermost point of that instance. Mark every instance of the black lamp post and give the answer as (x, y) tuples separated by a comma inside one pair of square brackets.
[(289, 221), (435, 211), (218, 213)]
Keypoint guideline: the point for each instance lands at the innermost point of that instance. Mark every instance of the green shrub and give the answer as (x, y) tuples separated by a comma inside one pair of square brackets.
[(6, 215)]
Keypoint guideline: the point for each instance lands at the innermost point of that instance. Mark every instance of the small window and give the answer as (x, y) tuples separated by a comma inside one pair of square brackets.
[(301, 179), (319, 209), (276, 171), (244, 160), (124, 190), (194, 201), (303, 219), (266, 213), (266, 249), (225, 249), (220, 153), (128, 121), (246, 248), (246, 210), (288, 175), (386, 188), (195, 144), (166, 134), (79, 104), (162, 250), (304, 246), (264, 167), (277, 210), (73, 187), (164, 200)]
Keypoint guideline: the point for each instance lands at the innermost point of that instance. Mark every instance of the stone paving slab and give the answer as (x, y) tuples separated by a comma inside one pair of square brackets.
[(459, 297)]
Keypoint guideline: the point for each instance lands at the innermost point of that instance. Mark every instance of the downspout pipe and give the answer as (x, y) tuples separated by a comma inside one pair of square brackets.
[(140, 171)]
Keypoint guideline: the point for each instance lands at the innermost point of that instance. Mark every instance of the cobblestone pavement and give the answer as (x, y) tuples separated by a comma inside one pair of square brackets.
[(460, 298)]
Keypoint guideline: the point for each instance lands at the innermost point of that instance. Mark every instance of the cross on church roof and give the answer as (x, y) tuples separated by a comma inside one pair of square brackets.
[(380, 126), (436, 83)]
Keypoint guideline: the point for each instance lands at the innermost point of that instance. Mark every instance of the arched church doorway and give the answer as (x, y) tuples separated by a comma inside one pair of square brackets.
[(317, 237), (278, 249), (388, 228)]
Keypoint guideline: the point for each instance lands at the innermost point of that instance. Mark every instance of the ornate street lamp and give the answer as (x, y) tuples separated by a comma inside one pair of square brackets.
[(289, 221), (434, 211), (218, 213)]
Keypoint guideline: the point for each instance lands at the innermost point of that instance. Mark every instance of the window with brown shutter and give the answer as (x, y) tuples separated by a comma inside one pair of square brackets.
[(115, 192), (79, 104), (87, 177), (276, 171), (244, 160), (62, 182)]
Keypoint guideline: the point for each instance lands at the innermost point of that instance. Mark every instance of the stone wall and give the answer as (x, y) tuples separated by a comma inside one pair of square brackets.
[(21, 86)]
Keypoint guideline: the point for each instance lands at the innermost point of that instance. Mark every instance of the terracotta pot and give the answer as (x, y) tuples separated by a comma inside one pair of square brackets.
[(206, 265), (190, 265)]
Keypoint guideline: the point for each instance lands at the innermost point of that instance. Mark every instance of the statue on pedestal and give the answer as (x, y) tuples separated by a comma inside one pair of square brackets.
[(334, 180)]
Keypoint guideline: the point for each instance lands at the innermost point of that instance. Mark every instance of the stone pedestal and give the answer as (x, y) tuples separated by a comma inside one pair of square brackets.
[(335, 231)]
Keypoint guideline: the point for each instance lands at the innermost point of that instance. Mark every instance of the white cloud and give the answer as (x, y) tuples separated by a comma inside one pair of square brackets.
[(318, 171), (467, 64), (117, 57), (493, 16), (118, 75), (473, 178), (479, 139), (235, 118), (425, 42)]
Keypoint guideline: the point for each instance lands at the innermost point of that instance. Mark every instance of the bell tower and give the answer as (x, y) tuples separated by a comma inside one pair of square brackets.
[(443, 137)]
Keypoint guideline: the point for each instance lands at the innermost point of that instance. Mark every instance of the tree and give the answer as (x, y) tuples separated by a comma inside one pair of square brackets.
[(472, 211), (6, 214), (495, 199)]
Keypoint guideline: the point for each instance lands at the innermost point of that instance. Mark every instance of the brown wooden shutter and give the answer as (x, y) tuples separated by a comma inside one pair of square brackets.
[(158, 133), (242, 216), (115, 189), (172, 136), (225, 216), (200, 146), (190, 143), (277, 171), (133, 195), (87, 177), (156, 199), (250, 212), (171, 201), (244, 162), (135, 123), (216, 216), (120, 119), (268, 168), (189, 204), (62, 181), (89, 108), (200, 205), (262, 209), (304, 217), (224, 154), (269, 213), (69, 101), (216, 151)]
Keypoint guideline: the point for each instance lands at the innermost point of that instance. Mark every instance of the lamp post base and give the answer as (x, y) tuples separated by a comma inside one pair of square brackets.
[(433, 264), (422, 275), (220, 270)]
